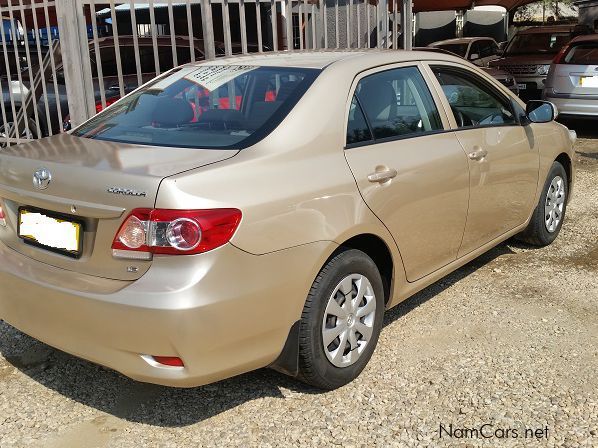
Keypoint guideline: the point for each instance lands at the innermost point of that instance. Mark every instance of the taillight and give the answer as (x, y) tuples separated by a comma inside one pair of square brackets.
[(109, 102), (174, 232), (2, 217), (560, 57)]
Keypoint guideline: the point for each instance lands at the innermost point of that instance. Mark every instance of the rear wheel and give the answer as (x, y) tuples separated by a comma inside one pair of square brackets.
[(341, 320), (549, 214)]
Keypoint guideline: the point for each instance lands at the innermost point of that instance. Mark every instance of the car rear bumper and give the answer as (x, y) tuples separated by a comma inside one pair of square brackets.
[(574, 105), (223, 313)]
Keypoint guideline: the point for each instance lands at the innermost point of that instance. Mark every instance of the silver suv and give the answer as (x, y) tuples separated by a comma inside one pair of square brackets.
[(572, 83), (529, 54)]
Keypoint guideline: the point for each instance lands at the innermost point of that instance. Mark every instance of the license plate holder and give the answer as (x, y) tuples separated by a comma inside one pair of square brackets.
[(522, 86), (51, 231)]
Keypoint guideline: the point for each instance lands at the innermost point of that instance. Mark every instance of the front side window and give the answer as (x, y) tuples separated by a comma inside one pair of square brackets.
[(208, 106), (395, 103), (473, 102), (458, 49)]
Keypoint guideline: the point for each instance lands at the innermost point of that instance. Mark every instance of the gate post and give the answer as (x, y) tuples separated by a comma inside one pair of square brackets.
[(407, 24), (76, 64)]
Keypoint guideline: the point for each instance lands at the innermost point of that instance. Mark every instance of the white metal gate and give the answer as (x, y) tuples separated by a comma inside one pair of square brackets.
[(65, 60)]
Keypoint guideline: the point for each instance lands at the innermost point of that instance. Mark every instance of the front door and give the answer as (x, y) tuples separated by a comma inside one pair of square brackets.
[(503, 161), (411, 173)]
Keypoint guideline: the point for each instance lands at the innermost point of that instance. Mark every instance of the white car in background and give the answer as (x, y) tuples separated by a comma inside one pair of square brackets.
[(477, 50)]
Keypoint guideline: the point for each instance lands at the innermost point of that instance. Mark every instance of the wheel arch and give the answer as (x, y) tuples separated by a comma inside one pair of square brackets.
[(564, 159)]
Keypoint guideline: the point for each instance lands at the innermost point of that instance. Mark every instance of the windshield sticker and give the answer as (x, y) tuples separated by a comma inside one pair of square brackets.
[(214, 76)]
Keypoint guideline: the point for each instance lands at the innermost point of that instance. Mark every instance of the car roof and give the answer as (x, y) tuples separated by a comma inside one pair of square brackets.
[(586, 38), (319, 59), (460, 40), (549, 29)]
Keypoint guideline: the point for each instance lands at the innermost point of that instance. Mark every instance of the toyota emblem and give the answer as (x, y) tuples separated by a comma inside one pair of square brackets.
[(42, 178)]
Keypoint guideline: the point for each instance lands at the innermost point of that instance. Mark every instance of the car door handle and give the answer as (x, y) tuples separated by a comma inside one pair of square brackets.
[(382, 176), (478, 154)]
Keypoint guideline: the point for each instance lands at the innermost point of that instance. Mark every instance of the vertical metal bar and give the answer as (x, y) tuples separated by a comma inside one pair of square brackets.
[(135, 42), (348, 23), (154, 31), (207, 30), (306, 23), (7, 131), (407, 27), (314, 24), (395, 24), (324, 21), (243, 23), (97, 52), (32, 86), (289, 25), (15, 39), (226, 24), (53, 46), (367, 18), (119, 64), (190, 33), (42, 70), (300, 23), (336, 27), (258, 19), (358, 14), (175, 58), (274, 23), (386, 18), (378, 25)]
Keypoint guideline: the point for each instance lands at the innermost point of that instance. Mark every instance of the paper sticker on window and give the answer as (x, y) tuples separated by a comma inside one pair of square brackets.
[(214, 76)]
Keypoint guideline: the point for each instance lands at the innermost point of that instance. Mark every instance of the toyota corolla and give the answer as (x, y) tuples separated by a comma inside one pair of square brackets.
[(266, 210)]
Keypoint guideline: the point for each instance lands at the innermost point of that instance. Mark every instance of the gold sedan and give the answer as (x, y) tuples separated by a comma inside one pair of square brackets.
[(265, 210)]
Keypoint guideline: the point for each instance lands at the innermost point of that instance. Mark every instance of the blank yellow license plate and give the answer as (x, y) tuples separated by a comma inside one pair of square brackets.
[(52, 232), (588, 81)]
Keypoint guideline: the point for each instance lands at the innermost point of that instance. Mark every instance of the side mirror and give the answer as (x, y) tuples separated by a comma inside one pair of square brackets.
[(474, 56), (541, 111)]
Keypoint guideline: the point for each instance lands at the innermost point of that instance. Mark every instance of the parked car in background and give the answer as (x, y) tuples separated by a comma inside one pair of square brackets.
[(182, 247), (529, 54), (477, 50), (505, 78), (572, 82)]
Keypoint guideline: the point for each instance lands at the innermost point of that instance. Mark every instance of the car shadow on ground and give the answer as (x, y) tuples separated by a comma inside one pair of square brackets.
[(114, 394)]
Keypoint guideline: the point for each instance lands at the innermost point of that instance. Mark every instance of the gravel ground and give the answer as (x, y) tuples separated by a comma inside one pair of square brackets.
[(510, 340)]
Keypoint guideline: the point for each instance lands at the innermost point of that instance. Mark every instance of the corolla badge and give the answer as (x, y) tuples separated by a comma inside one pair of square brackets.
[(42, 178)]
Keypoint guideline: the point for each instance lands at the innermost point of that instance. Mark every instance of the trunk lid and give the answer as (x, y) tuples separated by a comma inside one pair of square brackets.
[(95, 182), (575, 79)]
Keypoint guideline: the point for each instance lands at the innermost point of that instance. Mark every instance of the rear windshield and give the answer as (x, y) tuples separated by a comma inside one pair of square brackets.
[(458, 49), (550, 43), (583, 54), (211, 106)]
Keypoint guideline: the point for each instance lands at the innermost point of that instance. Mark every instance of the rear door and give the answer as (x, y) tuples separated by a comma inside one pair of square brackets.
[(503, 160), (411, 173)]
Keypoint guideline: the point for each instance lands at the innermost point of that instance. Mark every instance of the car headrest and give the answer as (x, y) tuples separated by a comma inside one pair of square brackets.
[(170, 112), (379, 99)]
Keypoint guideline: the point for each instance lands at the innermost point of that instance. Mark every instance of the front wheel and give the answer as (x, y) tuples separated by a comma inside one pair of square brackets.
[(549, 214), (341, 320)]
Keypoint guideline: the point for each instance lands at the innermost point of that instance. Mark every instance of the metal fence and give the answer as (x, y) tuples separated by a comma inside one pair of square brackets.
[(66, 60)]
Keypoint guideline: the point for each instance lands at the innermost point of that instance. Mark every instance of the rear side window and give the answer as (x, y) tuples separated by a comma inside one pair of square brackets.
[(582, 54), (395, 103), (207, 106), (473, 102)]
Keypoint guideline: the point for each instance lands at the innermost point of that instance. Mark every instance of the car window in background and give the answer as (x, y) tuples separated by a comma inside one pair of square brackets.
[(472, 101), (487, 48), (538, 43), (585, 53), (210, 106), (458, 49), (397, 103)]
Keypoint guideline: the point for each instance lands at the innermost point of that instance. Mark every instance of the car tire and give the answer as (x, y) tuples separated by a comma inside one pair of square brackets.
[(543, 227), (357, 320)]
